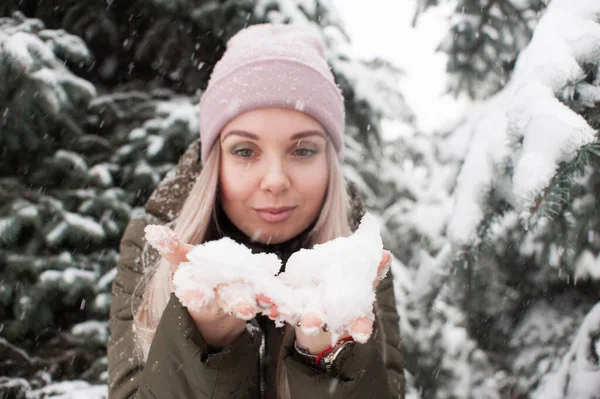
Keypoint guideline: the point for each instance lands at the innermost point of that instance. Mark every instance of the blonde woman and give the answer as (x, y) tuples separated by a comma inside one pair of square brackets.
[(271, 146)]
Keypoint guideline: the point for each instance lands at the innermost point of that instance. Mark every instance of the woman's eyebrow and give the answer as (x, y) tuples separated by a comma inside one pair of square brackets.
[(308, 133), (240, 133)]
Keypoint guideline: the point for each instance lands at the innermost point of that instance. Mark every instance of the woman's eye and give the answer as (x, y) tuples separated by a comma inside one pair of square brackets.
[(244, 152), (304, 152)]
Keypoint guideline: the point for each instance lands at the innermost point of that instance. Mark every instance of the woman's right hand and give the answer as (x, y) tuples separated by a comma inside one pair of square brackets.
[(219, 328)]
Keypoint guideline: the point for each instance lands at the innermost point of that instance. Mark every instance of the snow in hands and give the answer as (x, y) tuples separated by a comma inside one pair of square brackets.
[(231, 269), (334, 281), (331, 284)]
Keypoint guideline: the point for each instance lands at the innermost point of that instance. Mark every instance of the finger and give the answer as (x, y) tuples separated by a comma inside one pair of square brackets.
[(386, 260), (361, 329), (179, 256), (193, 300), (192, 292), (263, 301), (311, 324), (166, 242), (195, 297), (237, 298), (273, 312), (383, 268), (244, 310), (241, 308)]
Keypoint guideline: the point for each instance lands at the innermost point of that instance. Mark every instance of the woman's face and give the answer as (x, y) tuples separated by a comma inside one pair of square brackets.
[(274, 173)]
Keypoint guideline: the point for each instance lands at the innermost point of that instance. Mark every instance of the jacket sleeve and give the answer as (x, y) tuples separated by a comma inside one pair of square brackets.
[(180, 364), (124, 367), (372, 370)]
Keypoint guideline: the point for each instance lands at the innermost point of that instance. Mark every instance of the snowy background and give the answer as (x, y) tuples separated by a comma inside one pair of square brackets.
[(481, 161), (384, 29)]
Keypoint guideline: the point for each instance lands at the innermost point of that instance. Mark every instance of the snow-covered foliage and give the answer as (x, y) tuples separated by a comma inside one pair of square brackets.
[(515, 264), (483, 41), (525, 127), (74, 165), (39, 93), (578, 375)]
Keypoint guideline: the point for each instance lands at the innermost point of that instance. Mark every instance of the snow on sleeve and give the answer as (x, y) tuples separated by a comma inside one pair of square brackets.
[(527, 111), (578, 376)]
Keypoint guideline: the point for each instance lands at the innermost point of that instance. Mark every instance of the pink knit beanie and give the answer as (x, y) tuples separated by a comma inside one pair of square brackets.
[(272, 66)]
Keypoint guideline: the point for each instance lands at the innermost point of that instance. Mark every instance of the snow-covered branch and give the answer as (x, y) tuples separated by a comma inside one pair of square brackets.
[(525, 129), (578, 376)]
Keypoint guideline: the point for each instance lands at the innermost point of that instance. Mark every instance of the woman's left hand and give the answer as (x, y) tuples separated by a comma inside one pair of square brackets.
[(361, 329)]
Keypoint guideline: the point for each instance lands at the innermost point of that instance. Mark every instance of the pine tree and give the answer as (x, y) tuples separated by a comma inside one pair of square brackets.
[(521, 277), (74, 166), (484, 41)]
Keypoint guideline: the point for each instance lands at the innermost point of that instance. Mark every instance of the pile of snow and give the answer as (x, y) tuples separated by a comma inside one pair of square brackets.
[(238, 274), (333, 281)]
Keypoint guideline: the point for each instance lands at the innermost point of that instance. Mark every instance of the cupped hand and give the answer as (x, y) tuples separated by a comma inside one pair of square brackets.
[(311, 329), (223, 316)]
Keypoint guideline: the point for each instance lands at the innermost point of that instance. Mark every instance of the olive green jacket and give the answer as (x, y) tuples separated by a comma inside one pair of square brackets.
[(180, 364)]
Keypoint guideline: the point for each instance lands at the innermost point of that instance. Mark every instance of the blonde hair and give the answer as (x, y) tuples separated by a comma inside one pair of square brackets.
[(198, 214)]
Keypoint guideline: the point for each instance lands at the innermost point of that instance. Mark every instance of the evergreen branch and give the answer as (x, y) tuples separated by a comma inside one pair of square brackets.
[(555, 205), (558, 195), (468, 40)]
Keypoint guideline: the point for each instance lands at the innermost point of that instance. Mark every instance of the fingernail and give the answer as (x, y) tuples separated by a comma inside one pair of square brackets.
[(263, 305), (310, 331), (361, 337), (384, 271)]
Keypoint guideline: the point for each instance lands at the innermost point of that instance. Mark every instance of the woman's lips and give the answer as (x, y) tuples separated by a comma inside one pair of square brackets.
[(274, 215)]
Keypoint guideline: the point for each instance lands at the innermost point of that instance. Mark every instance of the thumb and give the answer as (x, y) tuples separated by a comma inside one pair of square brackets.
[(383, 268), (179, 255), (166, 242)]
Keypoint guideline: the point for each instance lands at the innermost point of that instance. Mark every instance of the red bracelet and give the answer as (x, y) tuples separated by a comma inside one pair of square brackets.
[(326, 351)]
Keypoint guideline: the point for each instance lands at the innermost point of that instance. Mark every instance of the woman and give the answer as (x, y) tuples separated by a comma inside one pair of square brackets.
[(271, 135)]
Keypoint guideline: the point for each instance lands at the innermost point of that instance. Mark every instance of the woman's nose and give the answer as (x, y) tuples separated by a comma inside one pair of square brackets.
[(275, 179)]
